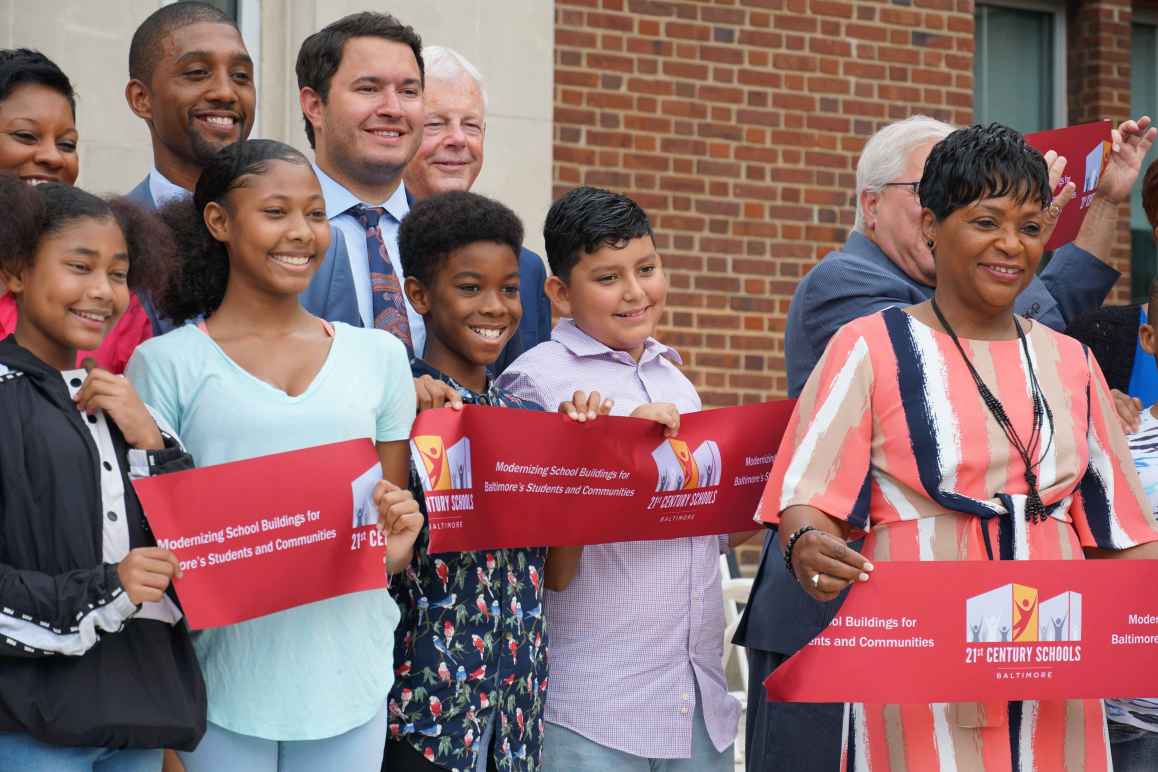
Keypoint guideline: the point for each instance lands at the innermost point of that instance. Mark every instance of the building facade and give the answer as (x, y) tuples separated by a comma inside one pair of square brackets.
[(738, 123)]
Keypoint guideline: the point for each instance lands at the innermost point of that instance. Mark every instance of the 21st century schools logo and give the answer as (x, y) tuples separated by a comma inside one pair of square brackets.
[(682, 475), (443, 469), (1010, 625)]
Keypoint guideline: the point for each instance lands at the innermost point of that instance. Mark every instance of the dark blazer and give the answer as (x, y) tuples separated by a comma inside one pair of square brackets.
[(852, 282)]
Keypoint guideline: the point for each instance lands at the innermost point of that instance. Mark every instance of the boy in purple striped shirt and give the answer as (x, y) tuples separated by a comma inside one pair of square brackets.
[(637, 679)]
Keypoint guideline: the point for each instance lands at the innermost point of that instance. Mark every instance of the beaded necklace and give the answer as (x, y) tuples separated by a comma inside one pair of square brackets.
[(1034, 508)]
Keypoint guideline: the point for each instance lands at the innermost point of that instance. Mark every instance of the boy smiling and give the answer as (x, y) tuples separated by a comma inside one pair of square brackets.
[(471, 650), (614, 703)]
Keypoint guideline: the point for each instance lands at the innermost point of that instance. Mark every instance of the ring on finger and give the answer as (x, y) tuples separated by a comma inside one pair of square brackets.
[(1054, 210), (816, 581)]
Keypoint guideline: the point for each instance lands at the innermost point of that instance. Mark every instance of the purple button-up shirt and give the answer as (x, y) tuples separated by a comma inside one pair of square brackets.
[(642, 624)]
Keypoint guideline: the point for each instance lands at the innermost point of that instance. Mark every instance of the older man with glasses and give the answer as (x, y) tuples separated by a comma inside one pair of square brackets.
[(884, 263)]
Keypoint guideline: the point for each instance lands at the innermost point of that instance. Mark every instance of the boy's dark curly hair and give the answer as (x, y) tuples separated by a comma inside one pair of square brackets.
[(979, 162), (34, 212), (441, 224), (197, 287)]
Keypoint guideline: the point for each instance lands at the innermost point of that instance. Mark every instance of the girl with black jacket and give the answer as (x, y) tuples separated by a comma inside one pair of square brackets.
[(97, 671)]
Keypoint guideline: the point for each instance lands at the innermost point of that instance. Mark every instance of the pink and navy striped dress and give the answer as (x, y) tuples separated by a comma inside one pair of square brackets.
[(892, 436)]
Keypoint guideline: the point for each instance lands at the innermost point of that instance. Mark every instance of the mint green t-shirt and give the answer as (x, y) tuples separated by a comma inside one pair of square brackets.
[(318, 670)]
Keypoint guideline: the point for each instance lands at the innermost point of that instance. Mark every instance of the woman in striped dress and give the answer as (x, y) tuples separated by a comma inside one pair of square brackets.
[(953, 430)]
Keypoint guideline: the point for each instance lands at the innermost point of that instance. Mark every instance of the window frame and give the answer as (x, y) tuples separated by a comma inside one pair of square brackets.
[(1058, 11)]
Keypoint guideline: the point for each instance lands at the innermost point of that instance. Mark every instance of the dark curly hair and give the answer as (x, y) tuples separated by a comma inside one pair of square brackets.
[(441, 224), (198, 286), (20, 66), (979, 162), (33, 212), (587, 219)]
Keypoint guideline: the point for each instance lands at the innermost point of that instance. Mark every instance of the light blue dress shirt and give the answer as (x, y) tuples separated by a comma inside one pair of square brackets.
[(338, 200), (163, 190)]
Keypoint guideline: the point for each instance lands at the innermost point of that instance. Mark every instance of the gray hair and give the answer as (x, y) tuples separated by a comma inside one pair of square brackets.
[(444, 63), (885, 154)]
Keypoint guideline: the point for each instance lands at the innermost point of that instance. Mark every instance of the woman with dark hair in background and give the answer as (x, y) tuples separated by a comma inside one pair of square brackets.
[(957, 430), (38, 143)]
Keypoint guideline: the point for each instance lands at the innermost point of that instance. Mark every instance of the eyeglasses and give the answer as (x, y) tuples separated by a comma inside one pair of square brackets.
[(912, 186)]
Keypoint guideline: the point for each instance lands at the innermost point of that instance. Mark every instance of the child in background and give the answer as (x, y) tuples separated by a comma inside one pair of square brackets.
[(471, 651), (637, 638), (1133, 724), (303, 689), (38, 143), (99, 672)]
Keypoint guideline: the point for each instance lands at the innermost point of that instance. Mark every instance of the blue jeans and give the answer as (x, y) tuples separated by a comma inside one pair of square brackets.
[(23, 752), (567, 751), (358, 750), (1133, 749)]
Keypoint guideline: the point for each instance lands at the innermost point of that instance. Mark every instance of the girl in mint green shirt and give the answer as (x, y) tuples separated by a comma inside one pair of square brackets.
[(302, 689)]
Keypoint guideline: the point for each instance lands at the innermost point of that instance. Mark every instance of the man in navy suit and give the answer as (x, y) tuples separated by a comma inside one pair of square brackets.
[(885, 263), (451, 157), (362, 81), (191, 82)]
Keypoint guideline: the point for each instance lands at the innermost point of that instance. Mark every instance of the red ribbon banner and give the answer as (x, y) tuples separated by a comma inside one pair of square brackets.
[(266, 534), (497, 477), (984, 631), (1086, 148)]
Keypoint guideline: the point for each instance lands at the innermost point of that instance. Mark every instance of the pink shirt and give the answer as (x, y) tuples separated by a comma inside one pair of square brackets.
[(113, 354), (642, 624)]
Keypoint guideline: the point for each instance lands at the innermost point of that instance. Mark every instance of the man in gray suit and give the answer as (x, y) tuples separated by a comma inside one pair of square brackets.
[(885, 263)]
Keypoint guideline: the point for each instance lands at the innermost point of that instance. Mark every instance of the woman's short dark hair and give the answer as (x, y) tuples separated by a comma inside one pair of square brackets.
[(1150, 194), (587, 219), (321, 53), (441, 224), (32, 213), (979, 162), (22, 66), (198, 286)]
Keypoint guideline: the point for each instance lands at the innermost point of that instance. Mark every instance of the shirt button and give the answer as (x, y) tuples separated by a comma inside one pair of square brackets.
[(75, 383), (685, 697), (92, 419), (108, 467), (111, 516), (684, 710)]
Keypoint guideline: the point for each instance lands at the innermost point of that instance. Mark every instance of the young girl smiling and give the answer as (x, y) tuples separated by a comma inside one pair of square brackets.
[(305, 688), (99, 671)]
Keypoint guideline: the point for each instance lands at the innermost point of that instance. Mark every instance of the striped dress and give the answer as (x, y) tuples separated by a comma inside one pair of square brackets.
[(892, 436)]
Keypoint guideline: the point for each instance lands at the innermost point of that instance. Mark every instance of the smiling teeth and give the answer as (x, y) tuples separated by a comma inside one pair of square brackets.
[(486, 333), (91, 317), (217, 120), (288, 260), (388, 133), (1003, 269)]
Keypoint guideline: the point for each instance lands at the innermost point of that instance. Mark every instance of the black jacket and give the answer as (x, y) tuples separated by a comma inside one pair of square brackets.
[(76, 667)]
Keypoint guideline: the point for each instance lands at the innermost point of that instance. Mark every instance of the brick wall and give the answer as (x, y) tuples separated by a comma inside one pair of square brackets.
[(1098, 81), (737, 124)]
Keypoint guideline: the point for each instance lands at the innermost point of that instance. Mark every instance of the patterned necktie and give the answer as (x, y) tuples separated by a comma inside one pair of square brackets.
[(385, 285)]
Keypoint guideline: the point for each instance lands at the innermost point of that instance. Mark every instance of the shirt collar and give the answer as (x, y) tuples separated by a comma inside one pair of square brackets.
[(339, 199), (163, 190), (581, 344), (862, 246)]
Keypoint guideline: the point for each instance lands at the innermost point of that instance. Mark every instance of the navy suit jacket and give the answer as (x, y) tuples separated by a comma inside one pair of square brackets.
[(847, 284), (332, 296)]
